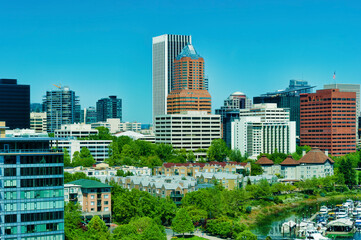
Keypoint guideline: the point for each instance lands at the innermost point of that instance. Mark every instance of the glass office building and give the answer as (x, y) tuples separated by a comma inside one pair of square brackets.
[(61, 107), (31, 190), (109, 108), (14, 104)]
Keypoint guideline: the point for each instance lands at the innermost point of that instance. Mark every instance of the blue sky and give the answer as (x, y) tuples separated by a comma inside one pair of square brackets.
[(101, 48)]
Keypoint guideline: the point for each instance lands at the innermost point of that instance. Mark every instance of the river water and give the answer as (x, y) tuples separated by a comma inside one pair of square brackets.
[(271, 225)]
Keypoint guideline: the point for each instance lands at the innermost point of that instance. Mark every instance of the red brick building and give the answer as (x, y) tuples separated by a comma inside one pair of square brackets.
[(328, 121), (188, 86)]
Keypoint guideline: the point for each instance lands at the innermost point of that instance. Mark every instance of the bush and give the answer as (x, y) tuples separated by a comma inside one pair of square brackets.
[(323, 194), (305, 196), (248, 209), (277, 200)]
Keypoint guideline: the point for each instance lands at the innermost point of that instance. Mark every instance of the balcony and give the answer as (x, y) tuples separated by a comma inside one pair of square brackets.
[(176, 195)]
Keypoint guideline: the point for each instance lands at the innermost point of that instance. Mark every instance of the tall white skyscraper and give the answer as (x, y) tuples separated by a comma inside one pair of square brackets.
[(165, 49)]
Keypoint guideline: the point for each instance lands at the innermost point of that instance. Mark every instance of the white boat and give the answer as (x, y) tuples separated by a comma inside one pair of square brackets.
[(323, 210), (349, 201), (316, 235), (287, 227), (342, 213)]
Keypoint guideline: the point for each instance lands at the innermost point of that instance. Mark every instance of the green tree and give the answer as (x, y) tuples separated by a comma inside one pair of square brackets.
[(72, 221), (121, 173), (67, 160), (236, 156), (218, 151), (347, 171), (256, 169), (246, 235), (190, 156), (76, 159), (97, 229), (164, 151), (196, 214), (86, 158), (126, 231), (182, 222), (68, 177), (153, 232)]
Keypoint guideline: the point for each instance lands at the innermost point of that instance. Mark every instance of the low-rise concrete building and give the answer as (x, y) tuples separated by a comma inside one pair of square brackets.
[(191, 130), (99, 149), (315, 163), (76, 130), (268, 166)]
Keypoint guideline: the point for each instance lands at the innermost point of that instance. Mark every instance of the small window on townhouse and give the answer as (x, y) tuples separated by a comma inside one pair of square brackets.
[(92, 203), (106, 202), (106, 209), (106, 196), (91, 196)]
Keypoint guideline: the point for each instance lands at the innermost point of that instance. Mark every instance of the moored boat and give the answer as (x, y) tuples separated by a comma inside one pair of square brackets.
[(340, 228)]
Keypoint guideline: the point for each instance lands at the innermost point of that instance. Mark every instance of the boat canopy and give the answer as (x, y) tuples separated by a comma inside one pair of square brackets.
[(343, 222)]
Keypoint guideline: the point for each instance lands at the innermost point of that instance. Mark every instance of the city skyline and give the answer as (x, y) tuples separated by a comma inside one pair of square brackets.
[(103, 49)]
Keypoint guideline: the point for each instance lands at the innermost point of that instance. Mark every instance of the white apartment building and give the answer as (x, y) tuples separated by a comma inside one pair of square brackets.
[(268, 112), (76, 130), (115, 125), (130, 126), (253, 136), (99, 149), (189, 130), (38, 121)]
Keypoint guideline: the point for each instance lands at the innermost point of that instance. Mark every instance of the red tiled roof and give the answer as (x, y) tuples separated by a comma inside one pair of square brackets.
[(315, 156), (264, 161), (290, 161)]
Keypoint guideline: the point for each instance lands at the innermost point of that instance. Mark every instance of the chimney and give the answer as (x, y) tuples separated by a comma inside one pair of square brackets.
[(326, 152), (303, 152)]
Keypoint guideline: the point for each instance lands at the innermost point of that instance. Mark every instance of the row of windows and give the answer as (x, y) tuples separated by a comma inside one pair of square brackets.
[(36, 171), (34, 206), (34, 159), (43, 182), (46, 216), (34, 194)]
